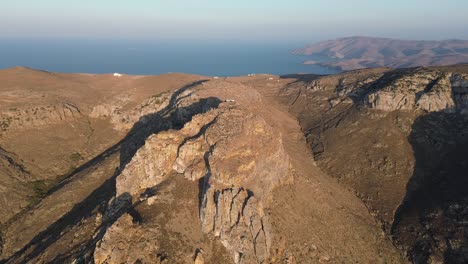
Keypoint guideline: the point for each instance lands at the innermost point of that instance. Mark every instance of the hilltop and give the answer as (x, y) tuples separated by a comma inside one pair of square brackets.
[(367, 52)]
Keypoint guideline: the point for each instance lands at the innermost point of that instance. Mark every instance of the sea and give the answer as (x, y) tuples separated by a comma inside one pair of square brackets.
[(145, 57)]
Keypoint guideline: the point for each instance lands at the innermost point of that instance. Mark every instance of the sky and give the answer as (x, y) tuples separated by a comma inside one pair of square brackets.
[(269, 20)]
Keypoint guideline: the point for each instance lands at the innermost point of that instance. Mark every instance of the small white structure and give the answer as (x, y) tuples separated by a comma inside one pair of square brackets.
[(117, 75), (230, 100), (216, 77)]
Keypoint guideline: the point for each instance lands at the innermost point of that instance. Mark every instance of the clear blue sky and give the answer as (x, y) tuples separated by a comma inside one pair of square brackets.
[(233, 19)]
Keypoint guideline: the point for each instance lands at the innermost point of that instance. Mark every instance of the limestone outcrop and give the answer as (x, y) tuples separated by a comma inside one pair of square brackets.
[(123, 116), (426, 91), (236, 157)]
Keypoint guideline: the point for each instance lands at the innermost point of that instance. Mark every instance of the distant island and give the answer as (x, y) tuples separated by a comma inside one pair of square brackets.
[(365, 52)]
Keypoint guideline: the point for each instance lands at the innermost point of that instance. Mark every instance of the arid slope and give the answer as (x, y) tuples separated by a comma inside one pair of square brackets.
[(177, 169), (367, 166), (398, 139), (365, 52)]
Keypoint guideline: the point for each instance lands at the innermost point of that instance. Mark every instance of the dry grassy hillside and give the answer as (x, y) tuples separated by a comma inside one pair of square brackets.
[(365, 52), (361, 167), (169, 169)]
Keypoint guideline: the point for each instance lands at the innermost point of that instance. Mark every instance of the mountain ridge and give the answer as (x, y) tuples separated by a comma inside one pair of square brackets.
[(250, 169), (365, 52)]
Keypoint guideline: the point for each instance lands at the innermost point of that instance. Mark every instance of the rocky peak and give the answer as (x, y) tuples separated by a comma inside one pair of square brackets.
[(236, 157), (216, 171)]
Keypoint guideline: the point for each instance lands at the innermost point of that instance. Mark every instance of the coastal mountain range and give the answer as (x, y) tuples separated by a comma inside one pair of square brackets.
[(366, 166), (358, 52)]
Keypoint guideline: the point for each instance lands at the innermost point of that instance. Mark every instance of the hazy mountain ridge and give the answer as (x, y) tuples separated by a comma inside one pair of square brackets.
[(366, 52)]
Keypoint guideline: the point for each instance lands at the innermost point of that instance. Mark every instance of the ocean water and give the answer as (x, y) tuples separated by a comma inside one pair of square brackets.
[(216, 58)]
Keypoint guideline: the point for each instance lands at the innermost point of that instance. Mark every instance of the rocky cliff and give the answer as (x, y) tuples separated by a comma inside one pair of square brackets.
[(237, 160), (51, 123), (365, 166), (214, 171), (391, 136), (427, 91)]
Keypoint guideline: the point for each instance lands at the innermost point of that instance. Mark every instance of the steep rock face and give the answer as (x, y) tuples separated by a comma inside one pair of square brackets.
[(460, 92), (396, 137), (52, 123), (122, 116), (238, 160), (427, 91), (150, 165), (246, 162), (217, 173)]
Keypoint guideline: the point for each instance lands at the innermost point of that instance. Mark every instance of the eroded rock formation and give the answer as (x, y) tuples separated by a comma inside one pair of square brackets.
[(238, 160), (427, 91), (402, 130), (219, 170)]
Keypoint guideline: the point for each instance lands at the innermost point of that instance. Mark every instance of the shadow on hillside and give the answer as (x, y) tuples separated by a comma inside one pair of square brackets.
[(432, 222), (142, 128), (102, 198), (358, 95), (301, 77)]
